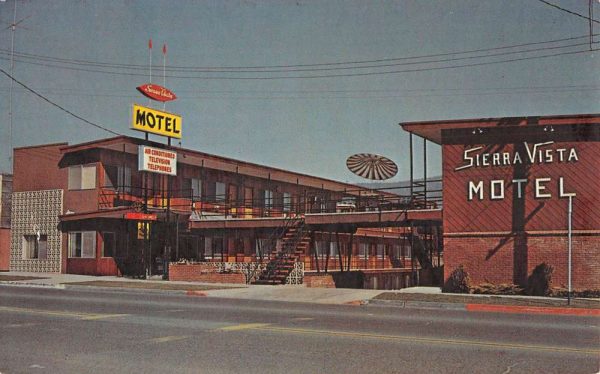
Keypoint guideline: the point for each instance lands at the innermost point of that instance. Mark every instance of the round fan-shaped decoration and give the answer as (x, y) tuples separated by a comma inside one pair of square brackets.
[(371, 166)]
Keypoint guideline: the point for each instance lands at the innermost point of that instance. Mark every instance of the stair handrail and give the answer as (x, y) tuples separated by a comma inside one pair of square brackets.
[(278, 233), (288, 247)]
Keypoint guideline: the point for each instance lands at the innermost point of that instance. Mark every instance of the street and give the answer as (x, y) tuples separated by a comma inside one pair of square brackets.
[(47, 330)]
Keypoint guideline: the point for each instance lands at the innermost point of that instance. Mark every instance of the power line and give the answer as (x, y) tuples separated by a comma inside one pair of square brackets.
[(56, 105), (347, 74), (569, 11), (286, 68)]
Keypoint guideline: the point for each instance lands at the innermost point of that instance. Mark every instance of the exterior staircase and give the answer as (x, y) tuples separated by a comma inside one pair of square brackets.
[(295, 242)]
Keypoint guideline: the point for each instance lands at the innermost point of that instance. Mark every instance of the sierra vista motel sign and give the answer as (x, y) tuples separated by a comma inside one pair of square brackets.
[(533, 154)]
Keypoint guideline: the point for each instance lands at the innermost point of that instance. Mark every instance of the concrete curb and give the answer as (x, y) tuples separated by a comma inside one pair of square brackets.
[(517, 309), (416, 304), (486, 308), (31, 285)]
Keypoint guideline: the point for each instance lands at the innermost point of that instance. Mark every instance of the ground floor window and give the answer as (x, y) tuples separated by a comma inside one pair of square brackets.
[(35, 247), (262, 247), (82, 244), (213, 247)]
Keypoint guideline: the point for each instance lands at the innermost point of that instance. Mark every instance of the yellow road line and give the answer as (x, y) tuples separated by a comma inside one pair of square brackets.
[(245, 326), (59, 313), (102, 316), (415, 339), (164, 339)]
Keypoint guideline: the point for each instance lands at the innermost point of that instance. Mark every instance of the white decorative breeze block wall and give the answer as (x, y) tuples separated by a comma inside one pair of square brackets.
[(32, 211)]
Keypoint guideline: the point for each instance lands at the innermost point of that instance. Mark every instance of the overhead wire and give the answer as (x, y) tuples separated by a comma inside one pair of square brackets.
[(57, 105), (301, 67), (372, 73), (569, 11)]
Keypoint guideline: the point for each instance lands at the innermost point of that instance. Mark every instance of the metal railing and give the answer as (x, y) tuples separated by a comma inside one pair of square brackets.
[(359, 200)]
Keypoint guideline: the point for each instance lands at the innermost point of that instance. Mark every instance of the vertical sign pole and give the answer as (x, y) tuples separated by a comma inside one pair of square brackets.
[(150, 73), (570, 240)]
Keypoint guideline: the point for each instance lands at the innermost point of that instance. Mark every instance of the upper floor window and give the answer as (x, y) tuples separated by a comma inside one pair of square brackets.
[(268, 199), (117, 177), (82, 177), (220, 194), (287, 202), (192, 187)]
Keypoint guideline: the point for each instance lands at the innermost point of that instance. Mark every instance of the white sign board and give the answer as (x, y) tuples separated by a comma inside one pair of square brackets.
[(156, 160)]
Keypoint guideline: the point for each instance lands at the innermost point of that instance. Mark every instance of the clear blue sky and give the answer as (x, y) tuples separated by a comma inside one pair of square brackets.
[(309, 125)]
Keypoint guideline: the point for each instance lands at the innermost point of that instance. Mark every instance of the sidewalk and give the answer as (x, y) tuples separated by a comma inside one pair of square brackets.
[(415, 297)]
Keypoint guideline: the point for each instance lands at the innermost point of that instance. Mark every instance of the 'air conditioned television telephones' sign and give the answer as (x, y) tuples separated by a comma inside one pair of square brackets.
[(157, 160)]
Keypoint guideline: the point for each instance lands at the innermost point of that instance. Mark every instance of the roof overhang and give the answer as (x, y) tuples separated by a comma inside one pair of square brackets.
[(432, 130)]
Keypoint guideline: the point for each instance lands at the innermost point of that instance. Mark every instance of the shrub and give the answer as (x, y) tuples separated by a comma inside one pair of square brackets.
[(497, 289), (458, 281), (539, 282)]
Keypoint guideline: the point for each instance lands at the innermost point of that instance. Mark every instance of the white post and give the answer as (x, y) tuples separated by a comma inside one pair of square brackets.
[(570, 223)]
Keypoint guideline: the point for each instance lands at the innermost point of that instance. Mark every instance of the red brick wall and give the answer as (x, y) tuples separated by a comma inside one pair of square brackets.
[(492, 258), (502, 240), (319, 280), (4, 249), (36, 168), (202, 273)]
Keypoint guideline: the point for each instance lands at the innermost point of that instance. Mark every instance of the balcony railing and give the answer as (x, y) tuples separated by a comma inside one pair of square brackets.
[(363, 200)]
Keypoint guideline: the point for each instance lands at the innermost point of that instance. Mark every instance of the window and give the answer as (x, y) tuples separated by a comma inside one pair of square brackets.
[(82, 177), (219, 191), (268, 199), (287, 202), (192, 187), (35, 247), (262, 247), (208, 247), (333, 249), (196, 188), (108, 244), (380, 250), (363, 250), (117, 177), (82, 244)]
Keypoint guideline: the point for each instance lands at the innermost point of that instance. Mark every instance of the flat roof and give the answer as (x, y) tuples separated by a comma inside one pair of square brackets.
[(432, 130)]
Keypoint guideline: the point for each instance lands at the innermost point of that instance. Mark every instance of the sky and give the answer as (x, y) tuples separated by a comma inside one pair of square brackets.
[(298, 85)]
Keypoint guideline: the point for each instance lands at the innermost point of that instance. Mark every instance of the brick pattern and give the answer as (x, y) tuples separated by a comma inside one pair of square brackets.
[(319, 280), (32, 211), (493, 259), (203, 273)]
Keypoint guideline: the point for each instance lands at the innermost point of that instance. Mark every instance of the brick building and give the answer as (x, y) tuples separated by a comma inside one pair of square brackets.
[(87, 209), (506, 187), (5, 211)]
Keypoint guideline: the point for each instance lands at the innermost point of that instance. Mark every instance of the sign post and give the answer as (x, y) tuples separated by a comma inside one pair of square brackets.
[(570, 241)]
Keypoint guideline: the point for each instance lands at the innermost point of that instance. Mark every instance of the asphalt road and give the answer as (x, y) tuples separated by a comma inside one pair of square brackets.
[(92, 331)]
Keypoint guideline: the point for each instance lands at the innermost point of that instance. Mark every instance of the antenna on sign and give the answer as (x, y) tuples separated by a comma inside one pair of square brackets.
[(164, 52), (150, 72)]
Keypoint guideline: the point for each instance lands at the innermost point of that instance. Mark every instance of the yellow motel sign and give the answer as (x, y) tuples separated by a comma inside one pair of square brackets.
[(156, 121)]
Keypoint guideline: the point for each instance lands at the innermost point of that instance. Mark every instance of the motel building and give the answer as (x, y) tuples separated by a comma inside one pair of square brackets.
[(507, 183), (127, 206), (133, 207)]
